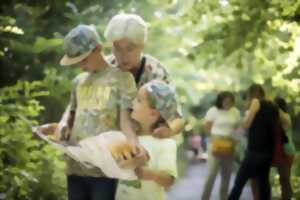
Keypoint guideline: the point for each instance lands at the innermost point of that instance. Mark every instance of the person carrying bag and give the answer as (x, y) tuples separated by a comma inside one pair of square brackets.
[(220, 122)]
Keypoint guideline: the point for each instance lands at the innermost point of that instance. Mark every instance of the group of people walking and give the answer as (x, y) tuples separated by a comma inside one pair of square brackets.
[(267, 127)]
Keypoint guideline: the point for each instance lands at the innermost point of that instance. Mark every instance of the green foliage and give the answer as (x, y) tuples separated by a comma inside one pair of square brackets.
[(59, 86), (207, 45), (29, 169)]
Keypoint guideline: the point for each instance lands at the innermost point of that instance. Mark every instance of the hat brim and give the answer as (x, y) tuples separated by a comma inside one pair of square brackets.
[(66, 60)]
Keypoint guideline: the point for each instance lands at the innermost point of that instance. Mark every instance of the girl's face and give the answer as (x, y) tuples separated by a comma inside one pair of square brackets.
[(142, 111), (227, 103)]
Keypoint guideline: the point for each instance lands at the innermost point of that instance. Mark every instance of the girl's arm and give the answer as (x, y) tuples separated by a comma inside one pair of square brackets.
[(159, 177)]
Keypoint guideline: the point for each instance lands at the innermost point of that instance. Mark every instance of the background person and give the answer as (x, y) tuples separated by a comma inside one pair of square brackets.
[(260, 121), (221, 122)]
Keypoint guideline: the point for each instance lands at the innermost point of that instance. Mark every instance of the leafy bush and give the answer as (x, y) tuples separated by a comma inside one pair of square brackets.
[(29, 169), (59, 87)]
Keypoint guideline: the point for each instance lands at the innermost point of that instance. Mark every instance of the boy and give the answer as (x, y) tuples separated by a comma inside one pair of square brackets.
[(100, 99)]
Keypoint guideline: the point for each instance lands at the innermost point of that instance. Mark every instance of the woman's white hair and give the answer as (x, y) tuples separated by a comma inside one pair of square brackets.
[(129, 26)]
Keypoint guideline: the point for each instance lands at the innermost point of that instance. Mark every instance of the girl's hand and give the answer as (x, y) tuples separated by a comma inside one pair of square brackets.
[(143, 173)]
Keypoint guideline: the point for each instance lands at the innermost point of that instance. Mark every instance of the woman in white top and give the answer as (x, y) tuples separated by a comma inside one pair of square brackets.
[(221, 122)]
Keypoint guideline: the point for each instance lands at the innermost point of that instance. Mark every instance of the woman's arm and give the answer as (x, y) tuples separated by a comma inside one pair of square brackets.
[(207, 127), (285, 119), (254, 108)]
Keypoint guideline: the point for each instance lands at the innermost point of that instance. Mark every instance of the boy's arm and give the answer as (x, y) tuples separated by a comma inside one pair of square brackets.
[(128, 92), (159, 177), (127, 127), (65, 124)]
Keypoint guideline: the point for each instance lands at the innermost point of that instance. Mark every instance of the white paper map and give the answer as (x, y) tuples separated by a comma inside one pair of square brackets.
[(93, 152)]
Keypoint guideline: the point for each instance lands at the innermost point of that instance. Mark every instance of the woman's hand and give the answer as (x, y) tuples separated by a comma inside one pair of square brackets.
[(163, 131), (254, 105), (253, 109)]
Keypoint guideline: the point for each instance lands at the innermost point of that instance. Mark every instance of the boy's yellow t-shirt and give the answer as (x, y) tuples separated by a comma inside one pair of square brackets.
[(97, 98), (163, 153)]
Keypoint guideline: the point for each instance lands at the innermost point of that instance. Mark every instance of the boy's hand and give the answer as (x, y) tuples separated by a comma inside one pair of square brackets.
[(62, 132), (122, 150), (35, 130), (134, 145), (163, 131), (139, 159), (47, 129)]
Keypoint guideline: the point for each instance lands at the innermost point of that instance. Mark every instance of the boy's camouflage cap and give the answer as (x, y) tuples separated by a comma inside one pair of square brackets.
[(162, 97), (79, 43)]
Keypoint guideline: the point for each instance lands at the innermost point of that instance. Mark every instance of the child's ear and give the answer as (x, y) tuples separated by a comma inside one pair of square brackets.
[(98, 48)]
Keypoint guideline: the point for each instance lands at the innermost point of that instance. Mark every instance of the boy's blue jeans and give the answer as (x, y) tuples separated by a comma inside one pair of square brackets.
[(91, 188)]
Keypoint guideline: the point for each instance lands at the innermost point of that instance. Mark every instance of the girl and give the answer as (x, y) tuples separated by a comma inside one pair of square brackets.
[(154, 104)]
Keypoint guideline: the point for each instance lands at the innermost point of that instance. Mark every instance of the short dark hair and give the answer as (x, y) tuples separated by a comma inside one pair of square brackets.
[(220, 98), (256, 91), (281, 103)]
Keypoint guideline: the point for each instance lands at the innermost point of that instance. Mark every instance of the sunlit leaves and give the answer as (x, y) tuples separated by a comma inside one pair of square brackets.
[(25, 163)]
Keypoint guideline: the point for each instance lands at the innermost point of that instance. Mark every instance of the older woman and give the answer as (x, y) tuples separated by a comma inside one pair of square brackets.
[(128, 34)]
